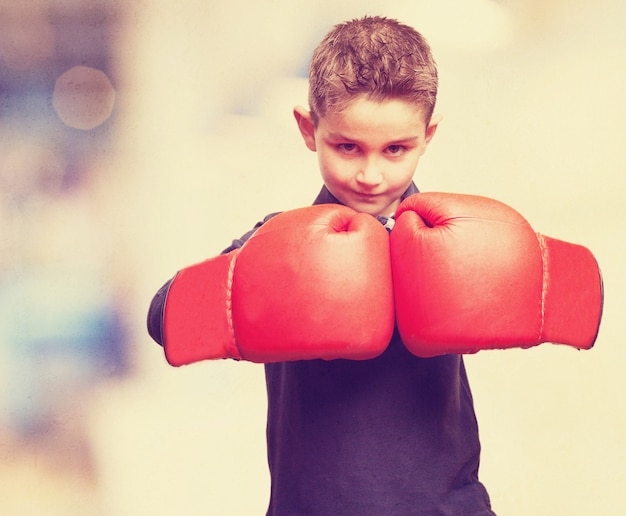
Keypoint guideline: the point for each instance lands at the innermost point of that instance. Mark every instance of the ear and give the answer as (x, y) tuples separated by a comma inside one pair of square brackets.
[(306, 126), (432, 127)]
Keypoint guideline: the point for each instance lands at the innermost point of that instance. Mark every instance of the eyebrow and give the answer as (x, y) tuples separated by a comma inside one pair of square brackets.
[(410, 139), (399, 141)]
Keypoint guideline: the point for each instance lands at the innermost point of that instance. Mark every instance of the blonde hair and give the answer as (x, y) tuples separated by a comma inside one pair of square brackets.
[(373, 56)]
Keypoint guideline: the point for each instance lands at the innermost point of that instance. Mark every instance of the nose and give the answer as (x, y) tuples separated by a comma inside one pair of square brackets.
[(370, 173)]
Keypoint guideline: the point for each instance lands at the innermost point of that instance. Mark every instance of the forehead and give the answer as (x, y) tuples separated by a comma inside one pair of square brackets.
[(362, 118)]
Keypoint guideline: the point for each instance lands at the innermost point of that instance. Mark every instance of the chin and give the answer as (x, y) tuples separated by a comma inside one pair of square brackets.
[(371, 207), (374, 211)]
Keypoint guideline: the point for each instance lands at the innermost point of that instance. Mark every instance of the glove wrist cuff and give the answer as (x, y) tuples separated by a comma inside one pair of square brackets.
[(572, 295), (193, 329)]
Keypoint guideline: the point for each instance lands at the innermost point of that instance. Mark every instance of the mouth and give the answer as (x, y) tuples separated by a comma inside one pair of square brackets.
[(367, 198)]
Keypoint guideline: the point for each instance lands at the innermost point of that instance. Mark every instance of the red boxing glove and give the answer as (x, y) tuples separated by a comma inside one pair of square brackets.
[(470, 273), (310, 283)]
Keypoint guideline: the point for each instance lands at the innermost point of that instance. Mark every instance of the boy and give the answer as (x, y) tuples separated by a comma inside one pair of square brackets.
[(396, 434), (393, 434)]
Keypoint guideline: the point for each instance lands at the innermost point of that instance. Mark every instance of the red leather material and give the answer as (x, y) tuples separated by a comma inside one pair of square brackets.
[(573, 294), (469, 274), (320, 292), (310, 283), (196, 321)]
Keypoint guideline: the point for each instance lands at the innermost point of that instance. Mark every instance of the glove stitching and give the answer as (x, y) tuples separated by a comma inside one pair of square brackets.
[(233, 351), (544, 282)]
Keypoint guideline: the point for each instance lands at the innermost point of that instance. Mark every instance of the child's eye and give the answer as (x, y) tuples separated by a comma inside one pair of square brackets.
[(396, 150), (348, 148)]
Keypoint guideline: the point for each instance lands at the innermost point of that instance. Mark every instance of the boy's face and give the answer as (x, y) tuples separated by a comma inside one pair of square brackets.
[(368, 153)]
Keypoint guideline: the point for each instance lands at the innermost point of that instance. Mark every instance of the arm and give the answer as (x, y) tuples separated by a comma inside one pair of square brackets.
[(312, 283)]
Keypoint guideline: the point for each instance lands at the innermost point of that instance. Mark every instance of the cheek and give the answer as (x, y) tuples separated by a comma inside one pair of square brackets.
[(333, 169), (403, 175)]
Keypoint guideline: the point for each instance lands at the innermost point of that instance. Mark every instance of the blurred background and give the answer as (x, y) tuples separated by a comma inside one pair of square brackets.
[(140, 137)]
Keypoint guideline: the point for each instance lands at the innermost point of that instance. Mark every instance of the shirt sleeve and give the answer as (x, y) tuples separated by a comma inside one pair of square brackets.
[(155, 313), (236, 244)]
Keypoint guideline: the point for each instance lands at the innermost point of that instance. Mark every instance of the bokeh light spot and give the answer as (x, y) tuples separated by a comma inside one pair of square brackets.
[(83, 97)]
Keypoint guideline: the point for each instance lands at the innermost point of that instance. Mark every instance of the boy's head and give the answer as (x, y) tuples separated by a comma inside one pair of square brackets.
[(372, 91), (375, 57)]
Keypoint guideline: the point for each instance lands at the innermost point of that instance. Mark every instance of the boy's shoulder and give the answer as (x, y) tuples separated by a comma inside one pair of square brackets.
[(238, 242)]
